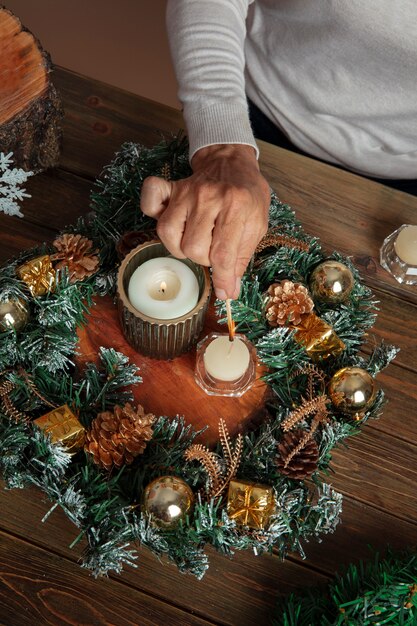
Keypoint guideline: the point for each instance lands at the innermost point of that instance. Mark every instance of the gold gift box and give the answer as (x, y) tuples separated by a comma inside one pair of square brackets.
[(318, 338), (38, 274), (63, 427), (250, 504)]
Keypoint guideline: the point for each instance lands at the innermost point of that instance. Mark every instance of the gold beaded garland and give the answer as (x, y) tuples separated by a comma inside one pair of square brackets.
[(331, 282), (352, 390), (168, 500), (13, 314)]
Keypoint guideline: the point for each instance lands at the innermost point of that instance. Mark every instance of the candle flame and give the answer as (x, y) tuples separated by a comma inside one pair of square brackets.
[(162, 286), (230, 323)]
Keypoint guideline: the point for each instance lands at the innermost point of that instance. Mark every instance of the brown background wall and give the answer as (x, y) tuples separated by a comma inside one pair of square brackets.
[(121, 42)]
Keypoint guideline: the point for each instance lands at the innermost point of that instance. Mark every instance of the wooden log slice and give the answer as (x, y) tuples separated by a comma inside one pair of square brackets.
[(169, 387), (30, 109)]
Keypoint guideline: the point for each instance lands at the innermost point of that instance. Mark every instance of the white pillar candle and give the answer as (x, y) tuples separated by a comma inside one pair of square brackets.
[(226, 360), (406, 245), (163, 288)]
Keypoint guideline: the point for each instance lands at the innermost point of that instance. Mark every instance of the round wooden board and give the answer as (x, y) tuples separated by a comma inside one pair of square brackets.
[(168, 387)]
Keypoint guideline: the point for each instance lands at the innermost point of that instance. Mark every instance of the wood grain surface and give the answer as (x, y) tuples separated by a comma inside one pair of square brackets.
[(40, 579), (169, 388), (44, 589)]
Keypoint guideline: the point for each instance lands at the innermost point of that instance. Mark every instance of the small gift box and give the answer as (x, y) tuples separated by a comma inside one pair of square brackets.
[(63, 427), (38, 274), (250, 504), (318, 338)]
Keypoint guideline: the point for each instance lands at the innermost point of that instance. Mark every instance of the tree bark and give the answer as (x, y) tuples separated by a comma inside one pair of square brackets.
[(30, 108)]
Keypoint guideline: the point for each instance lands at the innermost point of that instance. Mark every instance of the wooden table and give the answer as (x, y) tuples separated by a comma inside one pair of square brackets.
[(40, 580)]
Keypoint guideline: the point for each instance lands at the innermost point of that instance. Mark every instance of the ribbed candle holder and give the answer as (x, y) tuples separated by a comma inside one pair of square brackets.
[(160, 339)]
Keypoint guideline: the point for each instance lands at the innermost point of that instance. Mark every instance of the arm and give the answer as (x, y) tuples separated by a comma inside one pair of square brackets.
[(217, 216), (207, 47)]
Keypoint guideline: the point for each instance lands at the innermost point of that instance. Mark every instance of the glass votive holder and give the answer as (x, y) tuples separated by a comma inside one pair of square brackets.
[(398, 254), (160, 338), (218, 359)]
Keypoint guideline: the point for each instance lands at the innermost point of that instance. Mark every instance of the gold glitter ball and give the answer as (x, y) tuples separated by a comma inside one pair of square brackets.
[(168, 500), (352, 390), (331, 282), (13, 314)]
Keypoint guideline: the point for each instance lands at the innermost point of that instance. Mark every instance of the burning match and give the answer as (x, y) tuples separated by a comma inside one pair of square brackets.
[(230, 322)]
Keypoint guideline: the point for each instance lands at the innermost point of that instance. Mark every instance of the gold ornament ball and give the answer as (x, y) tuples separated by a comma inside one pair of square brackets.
[(13, 314), (331, 282), (168, 499), (352, 390)]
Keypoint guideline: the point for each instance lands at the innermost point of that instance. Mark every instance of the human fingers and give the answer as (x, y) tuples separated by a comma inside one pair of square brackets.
[(155, 196), (246, 249), (197, 238), (251, 236), (224, 253), (171, 226)]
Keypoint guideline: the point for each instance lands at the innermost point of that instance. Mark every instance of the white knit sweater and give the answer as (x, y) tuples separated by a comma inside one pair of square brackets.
[(339, 77)]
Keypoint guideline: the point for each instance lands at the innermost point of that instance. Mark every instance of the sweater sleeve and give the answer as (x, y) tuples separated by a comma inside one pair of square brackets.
[(207, 46)]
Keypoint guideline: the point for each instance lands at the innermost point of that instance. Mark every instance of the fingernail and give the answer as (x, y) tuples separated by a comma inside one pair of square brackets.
[(237, 287), (220, 294)]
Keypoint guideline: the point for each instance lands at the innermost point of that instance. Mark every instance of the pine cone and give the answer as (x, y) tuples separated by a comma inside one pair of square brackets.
[(133, 238), (304, 462), (288, 303), (117, 437), (75, 253)]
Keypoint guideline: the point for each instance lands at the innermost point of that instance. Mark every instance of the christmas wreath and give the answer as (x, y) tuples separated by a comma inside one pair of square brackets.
[(383, 591), (123, 475)]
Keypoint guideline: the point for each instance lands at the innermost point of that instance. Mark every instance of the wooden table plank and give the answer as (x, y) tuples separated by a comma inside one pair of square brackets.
[(397, 324), (380, 471), (18, 235), (234, 591), (399, 416), (37, 587), (58, 199), (99, 118), (362, 531)]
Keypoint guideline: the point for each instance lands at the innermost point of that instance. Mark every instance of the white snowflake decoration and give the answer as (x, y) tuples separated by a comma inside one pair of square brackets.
[(10, 180)]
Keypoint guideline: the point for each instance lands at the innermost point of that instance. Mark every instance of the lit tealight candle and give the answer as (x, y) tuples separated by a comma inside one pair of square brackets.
[(163, 288), (406, 245), (226, 360)]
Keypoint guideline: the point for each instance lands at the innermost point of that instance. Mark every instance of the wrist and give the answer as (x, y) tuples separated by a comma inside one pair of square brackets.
[(241, 152)]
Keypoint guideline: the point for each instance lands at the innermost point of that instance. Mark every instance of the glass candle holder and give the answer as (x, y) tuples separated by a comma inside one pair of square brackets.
[(160, 338), (224, 367), (398, 254)]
